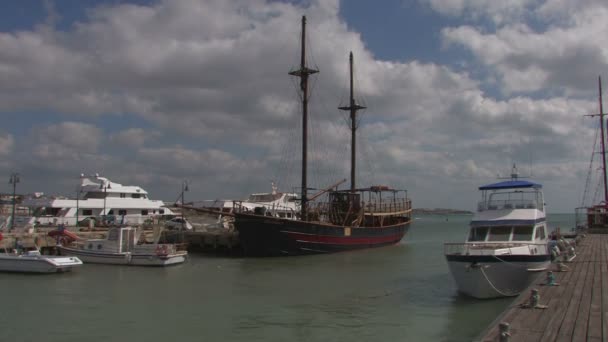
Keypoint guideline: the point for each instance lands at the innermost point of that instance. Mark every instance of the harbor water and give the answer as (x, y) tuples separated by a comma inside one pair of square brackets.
[(397, 293)]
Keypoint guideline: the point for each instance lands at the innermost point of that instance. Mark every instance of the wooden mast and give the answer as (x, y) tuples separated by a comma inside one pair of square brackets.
[(601, 115), (603, 144), (353, 108), (303, 73)]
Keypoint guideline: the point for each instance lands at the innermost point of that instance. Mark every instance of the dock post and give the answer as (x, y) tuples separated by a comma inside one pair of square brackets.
[(505, 335)]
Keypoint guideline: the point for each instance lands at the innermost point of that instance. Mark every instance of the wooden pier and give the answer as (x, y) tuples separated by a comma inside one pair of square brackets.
[(576, 309)]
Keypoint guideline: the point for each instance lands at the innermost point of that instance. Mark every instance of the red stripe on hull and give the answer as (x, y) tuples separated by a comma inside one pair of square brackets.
[(344, 240)]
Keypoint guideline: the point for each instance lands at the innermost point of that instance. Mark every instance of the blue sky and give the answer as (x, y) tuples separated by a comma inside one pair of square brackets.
[(153, 92)]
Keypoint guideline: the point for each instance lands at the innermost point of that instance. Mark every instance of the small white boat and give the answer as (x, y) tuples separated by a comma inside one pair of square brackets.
[(33, 262), (507, 246), (120, 247)]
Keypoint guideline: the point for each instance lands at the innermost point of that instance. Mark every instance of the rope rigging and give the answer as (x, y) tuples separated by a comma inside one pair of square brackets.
[(590, 171)]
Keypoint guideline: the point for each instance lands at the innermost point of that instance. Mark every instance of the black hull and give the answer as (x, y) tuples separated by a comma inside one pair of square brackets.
[(271, 236)]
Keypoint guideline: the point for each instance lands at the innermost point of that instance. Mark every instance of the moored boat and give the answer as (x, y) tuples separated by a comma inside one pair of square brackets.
[(507, 244), (351, 219), (120, 247), (20, 260)]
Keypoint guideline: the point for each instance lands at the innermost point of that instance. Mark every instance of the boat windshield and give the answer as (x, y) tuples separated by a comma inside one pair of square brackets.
[(499, 234), (522, 233), (264, 197), (478, 234)]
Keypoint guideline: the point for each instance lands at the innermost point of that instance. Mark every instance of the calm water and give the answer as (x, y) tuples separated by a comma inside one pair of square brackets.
[(398, 293)]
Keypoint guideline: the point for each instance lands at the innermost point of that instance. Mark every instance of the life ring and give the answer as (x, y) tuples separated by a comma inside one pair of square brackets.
[(161, 250)]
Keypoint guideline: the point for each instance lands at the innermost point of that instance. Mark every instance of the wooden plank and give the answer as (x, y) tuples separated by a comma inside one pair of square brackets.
[(594, 328), (564, 304), (582, 321), (604, 285)]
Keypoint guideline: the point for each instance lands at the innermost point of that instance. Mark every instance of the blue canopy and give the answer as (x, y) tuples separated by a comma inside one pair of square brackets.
[(512, 184)]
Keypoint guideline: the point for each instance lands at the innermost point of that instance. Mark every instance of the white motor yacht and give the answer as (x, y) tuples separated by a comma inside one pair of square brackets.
[(507, 244), (98, 199)]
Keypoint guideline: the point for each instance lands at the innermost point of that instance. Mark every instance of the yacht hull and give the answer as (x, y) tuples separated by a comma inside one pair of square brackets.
[(489, 276), (37, 264), (134, 259), (270, 236)]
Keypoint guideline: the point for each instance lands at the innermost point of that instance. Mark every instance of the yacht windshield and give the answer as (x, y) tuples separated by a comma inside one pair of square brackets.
[(522, 233), (499, 234), (264, 197), (478, 234)]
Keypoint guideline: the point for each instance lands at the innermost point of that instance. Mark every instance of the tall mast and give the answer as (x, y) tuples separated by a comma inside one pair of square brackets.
[(603, 143), (353, 108), (303, 74)]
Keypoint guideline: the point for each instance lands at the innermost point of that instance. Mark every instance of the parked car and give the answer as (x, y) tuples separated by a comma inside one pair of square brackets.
[(178, 223)]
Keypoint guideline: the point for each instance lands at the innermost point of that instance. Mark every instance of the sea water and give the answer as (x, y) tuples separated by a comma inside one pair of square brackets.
[(398, 293)]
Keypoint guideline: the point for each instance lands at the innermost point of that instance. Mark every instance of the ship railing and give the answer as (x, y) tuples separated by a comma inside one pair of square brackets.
[(508, 204), (390, 207), (494, 248)]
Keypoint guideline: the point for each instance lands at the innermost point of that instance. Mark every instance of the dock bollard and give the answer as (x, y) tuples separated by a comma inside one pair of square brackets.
[(551, 279), (534, 298), (505, 335)]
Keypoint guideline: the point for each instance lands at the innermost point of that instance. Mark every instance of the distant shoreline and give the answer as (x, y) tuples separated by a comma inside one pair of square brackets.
[(441, 211)]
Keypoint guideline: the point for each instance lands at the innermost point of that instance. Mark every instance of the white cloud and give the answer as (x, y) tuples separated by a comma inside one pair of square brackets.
[(564, 54), (204, 91)]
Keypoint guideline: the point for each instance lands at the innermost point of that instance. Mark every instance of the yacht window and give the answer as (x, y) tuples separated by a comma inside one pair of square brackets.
[(161, 211), (144, 212), (499, 234), (478, 234), (94, 195), (113, 235), (111, 212), (540, 232), (87, 212), (122, 212), (135, 195), (123, 195), (522, 233)]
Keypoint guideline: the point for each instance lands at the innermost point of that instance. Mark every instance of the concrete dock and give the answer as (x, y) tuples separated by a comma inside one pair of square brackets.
[(574, 310)]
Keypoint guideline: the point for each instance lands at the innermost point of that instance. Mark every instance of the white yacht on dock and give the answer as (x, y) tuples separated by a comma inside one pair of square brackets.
[(507, 244), (101, 199)]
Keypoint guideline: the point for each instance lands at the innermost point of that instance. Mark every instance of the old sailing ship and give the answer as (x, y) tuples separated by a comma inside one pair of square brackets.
[(595, 216), (351, 219)]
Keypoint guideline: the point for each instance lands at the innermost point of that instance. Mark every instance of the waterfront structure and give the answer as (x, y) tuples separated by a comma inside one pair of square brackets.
[(507, 243), (356, 218)]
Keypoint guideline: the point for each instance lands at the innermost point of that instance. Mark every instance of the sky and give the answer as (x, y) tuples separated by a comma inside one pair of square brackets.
[(155, 93)]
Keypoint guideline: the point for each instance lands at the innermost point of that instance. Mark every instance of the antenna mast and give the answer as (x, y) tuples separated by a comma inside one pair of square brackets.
[(353, 107), (303, 74)]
